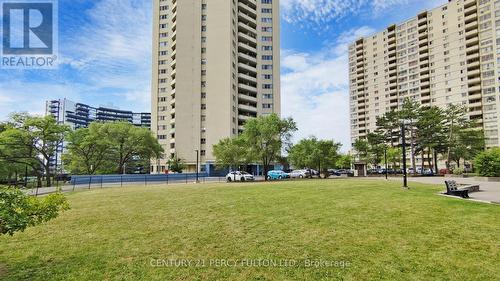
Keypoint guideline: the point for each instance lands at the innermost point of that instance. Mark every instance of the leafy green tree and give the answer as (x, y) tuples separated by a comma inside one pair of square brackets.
[(314, 153), (362, 148), (470, 142), (231, 153), (266, 137), (128, 142), (455, 120), (376, 148), (113, 147), (19, 211), (410, 112), (176, 164), (388, 124), (344, 161), (394, 155), (431, 134), (88, 151), (32, 141), (487, 163)]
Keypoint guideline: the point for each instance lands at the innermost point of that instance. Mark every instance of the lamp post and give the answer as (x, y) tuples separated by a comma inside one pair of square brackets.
[(385, 158), (403, 143), (197, 160)]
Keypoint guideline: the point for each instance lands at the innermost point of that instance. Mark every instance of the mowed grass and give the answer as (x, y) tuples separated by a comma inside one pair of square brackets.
[(378, 231)]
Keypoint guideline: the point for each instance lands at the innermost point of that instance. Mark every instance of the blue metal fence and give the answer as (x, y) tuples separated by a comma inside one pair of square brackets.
[(139, 179)]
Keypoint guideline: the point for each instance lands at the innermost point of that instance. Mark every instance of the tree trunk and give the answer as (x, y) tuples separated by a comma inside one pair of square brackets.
[(423, 162), (436, 162), (449, 146), (265, 169), (39, 181), (47, 174), (413, 163), (429, 158)]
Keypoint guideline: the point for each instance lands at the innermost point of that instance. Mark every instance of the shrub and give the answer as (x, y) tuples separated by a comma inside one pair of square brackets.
[(458, 171), (488, 163), (19, 210)]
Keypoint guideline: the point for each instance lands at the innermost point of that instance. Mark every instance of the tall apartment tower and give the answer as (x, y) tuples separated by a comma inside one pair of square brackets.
[(448, 55), (216, 63)]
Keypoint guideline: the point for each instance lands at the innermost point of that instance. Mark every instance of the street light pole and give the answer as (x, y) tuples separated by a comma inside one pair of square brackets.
[(197, 160), (403, 142), (385, 157)]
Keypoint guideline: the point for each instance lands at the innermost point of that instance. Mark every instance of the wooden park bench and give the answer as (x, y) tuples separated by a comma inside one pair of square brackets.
[(452, 188)]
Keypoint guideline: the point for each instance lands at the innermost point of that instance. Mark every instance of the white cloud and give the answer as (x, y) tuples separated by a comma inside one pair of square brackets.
[(107, 58), (315, 89), (310, 12), (22, 96)]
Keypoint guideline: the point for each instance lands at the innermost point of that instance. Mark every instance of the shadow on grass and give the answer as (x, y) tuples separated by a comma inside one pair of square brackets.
[(3, 270)]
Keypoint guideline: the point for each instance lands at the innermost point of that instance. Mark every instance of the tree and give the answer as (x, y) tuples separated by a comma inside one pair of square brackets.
[(128, 142), (87, 150), (266, 137), (389, 124), (320, 154), (176, 164), (431, 135), (231, 153), (376, 148), (19, 211), (32, 141), (487, 163), (344, 161), (410, 112), (455, 120), (394, 155), (362, 149), (470, 142)]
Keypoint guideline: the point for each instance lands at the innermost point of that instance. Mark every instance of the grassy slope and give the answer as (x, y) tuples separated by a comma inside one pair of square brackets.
[(384, 232)]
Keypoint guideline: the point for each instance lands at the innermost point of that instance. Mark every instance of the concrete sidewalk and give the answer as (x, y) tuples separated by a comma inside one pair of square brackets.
[(489, 191)]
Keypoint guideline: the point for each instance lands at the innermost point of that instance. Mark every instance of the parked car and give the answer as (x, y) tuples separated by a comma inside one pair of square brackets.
[(239, 176), (348, 173), (428, 172), (332, 172), (277, 175), (299, 174)]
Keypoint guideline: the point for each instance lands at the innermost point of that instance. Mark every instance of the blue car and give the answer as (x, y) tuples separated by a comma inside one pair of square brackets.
[(277, 175)]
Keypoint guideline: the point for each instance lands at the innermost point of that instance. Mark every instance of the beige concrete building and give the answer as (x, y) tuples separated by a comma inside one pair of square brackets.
[(449, 54), (216, 63)]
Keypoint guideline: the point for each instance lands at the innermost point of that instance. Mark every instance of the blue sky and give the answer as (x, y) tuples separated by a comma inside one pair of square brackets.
[(105, 55)]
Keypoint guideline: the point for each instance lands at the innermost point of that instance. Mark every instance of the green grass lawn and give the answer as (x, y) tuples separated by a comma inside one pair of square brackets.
[(376, 229)]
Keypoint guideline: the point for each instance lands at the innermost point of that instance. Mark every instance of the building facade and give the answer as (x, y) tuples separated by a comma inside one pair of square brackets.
[(216, 63), (447, 55), (79, 115)]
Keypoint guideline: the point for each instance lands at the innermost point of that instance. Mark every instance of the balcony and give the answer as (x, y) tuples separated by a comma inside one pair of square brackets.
[(247, 28), (247, 58), (245, 117), (246, 107), (248, 20), (246, 38), (247, 47), (247, 78), (474, 88), (246, 9), (247, 67), (248, 88), (247, 98)]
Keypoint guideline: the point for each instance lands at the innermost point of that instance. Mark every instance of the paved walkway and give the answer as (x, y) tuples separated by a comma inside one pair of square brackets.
[(489, 191)]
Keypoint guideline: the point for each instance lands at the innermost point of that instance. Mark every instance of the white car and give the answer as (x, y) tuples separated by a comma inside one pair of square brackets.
[(239, 176), (299, 174)]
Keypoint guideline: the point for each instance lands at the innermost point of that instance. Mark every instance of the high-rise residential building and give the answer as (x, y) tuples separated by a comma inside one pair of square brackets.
[(447, 55), (216, 63), (79, 115)]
